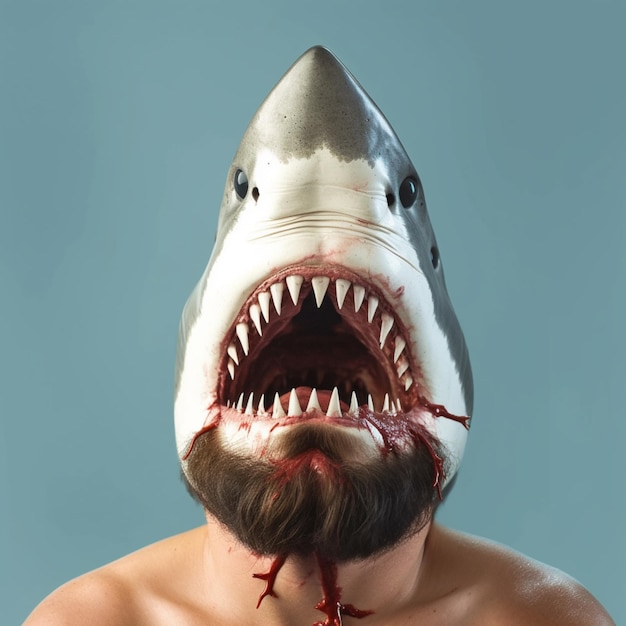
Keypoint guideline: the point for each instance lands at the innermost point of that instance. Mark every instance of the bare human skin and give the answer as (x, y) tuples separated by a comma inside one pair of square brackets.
[(436, 577)]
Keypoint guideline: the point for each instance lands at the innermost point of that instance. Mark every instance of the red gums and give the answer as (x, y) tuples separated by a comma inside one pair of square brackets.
[(270, 578), (331, 600)]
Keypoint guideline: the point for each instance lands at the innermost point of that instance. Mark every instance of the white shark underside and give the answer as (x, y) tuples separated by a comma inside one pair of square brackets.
[(322, 208)]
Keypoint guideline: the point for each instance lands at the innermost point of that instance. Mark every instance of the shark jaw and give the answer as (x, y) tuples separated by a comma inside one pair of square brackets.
[(318, 343), (325, 328)]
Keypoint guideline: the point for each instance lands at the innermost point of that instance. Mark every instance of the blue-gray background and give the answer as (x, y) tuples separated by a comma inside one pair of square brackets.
[(118, 121)]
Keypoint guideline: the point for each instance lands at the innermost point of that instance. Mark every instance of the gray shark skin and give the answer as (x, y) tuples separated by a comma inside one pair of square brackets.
[(327, 195)]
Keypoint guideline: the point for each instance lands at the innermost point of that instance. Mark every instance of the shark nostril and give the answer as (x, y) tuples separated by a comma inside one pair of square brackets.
[(255, 193), (390, 199), (434, 256)]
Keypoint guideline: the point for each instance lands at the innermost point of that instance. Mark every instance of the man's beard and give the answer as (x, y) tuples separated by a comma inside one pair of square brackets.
[(313, 500)]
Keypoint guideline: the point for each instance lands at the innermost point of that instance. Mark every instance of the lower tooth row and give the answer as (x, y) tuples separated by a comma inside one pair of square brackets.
[(294, 408)]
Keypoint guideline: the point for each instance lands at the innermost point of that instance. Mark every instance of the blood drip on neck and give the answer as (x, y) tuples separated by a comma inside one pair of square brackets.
[(270, 578), (331, 592), (331, 600)]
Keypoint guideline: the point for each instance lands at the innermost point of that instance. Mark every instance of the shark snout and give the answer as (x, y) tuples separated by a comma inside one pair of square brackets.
[(341, 204), (318, 185)]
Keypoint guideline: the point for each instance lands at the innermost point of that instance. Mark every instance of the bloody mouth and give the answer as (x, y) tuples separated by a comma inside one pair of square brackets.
[(324, 345), (306, 329)]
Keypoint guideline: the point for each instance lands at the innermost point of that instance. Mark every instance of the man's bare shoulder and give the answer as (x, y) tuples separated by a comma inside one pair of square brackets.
[(126, 591), (99, 597), (505, 587)]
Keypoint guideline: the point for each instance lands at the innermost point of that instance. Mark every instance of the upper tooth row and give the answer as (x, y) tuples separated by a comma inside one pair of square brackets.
[(294, 408), (320, 287)]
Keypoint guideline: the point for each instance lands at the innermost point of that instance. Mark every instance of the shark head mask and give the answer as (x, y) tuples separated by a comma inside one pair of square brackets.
[(324, 301)]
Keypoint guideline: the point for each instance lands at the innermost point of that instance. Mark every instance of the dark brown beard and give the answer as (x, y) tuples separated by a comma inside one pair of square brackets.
[(312, 500)]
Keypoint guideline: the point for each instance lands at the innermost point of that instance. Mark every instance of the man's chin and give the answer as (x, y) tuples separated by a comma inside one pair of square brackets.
[(348, 441), (316, 489)]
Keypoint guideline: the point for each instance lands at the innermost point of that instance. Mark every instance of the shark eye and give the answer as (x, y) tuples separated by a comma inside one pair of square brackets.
[(241, 183), (408, 192)]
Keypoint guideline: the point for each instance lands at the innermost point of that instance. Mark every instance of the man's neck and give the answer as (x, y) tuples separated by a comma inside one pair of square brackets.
[(287, 590)]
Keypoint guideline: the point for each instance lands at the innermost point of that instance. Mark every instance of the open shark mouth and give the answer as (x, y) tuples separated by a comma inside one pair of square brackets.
[(310, 342), (323, 345)]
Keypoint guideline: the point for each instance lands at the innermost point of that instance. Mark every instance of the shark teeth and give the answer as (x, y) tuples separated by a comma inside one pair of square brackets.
[(354, 405), (359, 295), (294, 283), (402, 365), (341, 289), (276, 290), (264, 304), (385, 326), (277, 409), (242, 331), (372, 305), (399, 345), (249, 406), (255, 316), (313, 403), (320, 285), (261, 407), (232, 353), (294, 409), (268, 304), (334, 407), (294, 406)]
